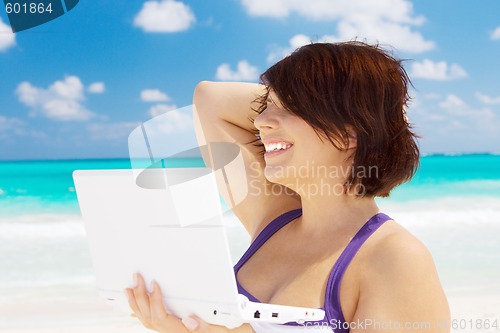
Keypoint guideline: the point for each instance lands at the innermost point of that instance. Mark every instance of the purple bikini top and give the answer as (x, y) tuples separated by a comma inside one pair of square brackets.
[(333, 311)]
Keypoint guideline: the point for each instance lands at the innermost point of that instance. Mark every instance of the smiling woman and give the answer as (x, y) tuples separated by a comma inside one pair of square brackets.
[(326, 106)]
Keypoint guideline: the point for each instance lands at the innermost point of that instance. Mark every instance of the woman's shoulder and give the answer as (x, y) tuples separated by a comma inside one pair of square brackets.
[(397, 273), (395, 257), (395, 246)]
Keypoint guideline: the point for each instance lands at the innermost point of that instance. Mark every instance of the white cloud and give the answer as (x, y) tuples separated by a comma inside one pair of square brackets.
[(159, 109), (172, 120), (7, 37), (440, 71), (244, 72), (62, 100), (488, 100), (453, 103), (154, 95), (377, 30), (396, 10), (495, 35), (463, 123), (384, 21), (455, 106), (294, 43), (8, 123), (96, 88), (15, 127), (449, 123), (164, 16), (301, 40), (432, 96)]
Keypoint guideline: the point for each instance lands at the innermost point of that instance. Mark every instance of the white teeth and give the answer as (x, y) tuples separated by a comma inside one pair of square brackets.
[(277, 146)]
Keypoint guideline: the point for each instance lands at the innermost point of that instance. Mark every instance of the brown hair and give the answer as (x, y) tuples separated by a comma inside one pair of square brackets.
[(352, 85)]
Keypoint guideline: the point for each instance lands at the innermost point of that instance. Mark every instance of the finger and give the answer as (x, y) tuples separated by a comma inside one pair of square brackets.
[(142, 300), (131, 301), (157, 309), (193, 325), (196, 325), (133, 305), (246, 328)]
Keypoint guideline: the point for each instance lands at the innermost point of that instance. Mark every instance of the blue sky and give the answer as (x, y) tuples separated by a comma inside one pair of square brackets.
[(77, 86)]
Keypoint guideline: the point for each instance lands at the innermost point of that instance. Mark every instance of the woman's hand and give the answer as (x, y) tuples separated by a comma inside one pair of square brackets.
[(149, 309)]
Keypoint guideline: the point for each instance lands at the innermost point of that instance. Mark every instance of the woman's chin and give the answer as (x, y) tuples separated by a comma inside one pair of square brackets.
[(277, 178), (274, 174)]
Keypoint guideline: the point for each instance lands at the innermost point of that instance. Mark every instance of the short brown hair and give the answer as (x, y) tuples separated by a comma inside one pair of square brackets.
[(352, 85)]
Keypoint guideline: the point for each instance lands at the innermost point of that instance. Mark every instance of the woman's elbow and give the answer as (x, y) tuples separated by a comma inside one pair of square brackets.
[(201, 91)]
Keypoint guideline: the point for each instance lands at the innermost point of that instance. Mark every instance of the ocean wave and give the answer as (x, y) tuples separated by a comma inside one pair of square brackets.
[(41, 227), (448, 203), (443, 210), (49, 281)]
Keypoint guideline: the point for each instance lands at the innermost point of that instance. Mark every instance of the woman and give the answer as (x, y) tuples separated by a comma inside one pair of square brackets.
[(334, 136)]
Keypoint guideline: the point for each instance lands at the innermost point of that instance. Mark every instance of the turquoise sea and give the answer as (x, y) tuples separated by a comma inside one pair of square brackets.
[(31, 187), (452, 205)]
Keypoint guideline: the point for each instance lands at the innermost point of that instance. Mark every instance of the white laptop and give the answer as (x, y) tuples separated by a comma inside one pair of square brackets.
[(173, 234)]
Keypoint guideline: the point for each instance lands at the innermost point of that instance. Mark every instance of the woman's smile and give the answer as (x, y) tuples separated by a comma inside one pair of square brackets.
[(276, 147)]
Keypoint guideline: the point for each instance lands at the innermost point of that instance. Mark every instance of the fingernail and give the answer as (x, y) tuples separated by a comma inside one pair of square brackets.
[(135, 279), (152, 286), (190, 323)]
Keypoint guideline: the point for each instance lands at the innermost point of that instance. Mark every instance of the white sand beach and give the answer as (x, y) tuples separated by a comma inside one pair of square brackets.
[(79, 311), (50, 292)]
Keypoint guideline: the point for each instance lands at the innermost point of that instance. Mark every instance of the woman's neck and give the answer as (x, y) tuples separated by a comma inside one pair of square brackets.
[(322, 213)]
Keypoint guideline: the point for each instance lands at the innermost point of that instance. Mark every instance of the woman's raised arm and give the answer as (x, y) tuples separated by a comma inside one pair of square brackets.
[(225, 111)]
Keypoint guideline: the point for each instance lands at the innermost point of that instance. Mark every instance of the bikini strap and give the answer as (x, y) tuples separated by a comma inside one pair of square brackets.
[(332, 299), (266, 233)]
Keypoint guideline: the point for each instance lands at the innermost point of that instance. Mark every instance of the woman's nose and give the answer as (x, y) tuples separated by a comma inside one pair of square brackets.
[(266, 119)]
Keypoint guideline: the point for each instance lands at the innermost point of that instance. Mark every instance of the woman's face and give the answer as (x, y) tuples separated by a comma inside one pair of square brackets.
[(295, 153)]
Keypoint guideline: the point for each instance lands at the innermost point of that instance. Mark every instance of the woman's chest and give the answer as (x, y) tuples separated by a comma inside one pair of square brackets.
[(285, 275)]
